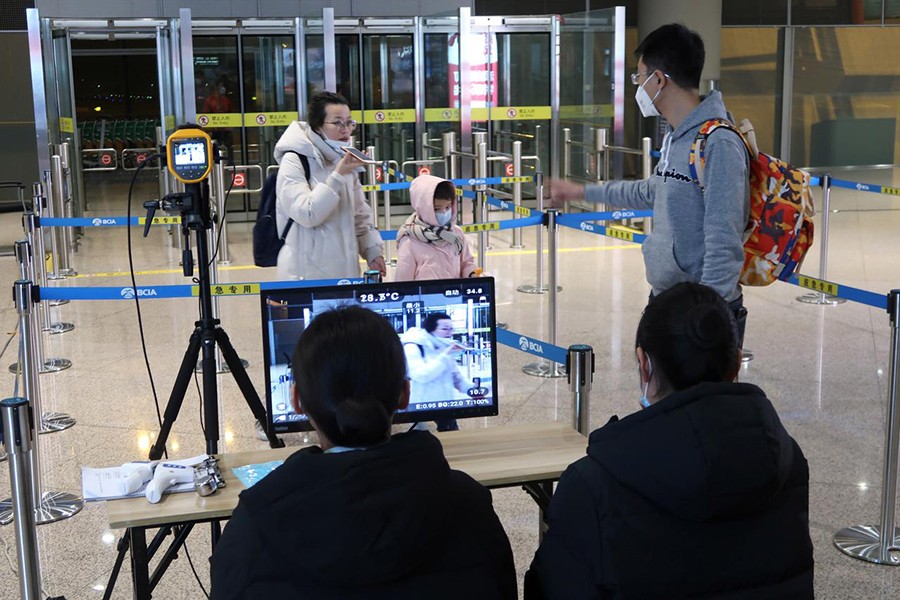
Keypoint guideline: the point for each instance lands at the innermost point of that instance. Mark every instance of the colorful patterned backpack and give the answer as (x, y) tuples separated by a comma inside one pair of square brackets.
[(780, 228)]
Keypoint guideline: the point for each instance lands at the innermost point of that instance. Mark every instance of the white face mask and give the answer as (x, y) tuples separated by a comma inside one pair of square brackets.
[(645, 102), (443, 217), (337, 145)]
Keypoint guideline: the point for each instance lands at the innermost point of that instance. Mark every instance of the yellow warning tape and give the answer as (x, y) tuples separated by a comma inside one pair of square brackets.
[(160, 220), (620, 233), (818, 285), (228, 289), (476, 227)]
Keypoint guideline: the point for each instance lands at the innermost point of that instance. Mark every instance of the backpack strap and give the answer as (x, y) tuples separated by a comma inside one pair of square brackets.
[(304, 161), (697, 160)]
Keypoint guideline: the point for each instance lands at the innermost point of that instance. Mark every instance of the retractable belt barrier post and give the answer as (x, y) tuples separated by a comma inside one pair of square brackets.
[(49, 506), (35, 235), (822, 298), (17, 434), (370, 172), (580, 370), (550, 368), (647, 171), (27, 270), (517, 190), (538, 287), (54, 421), (72, 242), (479, 206), (876, 543), (61, 266)]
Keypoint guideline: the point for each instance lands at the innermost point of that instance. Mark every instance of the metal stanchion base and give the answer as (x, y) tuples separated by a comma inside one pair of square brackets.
[(746, 355), (55, 506), (54, 421), (533, 288), (517, 246), (545, 368), (864, 543), (502, 325), (61, 327), (68, 272), (57, 302), (224, 262), (56, 277), (223, 368), (51, 365), (821, 299), (54, 365)]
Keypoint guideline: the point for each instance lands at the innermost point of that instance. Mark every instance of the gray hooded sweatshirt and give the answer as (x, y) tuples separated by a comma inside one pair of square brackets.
[(697, 234)]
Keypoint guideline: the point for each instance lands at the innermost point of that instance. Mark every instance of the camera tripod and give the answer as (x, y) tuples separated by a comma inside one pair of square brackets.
[(208, 333)]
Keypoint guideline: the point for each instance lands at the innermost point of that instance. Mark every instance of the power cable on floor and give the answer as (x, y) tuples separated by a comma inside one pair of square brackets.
[(137, 303)]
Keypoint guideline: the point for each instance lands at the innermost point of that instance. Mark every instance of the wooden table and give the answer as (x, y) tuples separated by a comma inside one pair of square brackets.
[(532, 456)]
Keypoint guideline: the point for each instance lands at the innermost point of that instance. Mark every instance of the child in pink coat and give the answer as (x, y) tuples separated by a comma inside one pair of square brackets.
[(429, 244)]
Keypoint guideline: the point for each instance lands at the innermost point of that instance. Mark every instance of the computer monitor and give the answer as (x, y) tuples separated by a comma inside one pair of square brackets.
[(460, 313)]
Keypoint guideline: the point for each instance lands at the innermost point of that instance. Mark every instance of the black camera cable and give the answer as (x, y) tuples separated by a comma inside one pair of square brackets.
[(134, 287), (137, 305)]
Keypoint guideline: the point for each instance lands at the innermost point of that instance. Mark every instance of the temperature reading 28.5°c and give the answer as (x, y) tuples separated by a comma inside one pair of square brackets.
[(380, 297)]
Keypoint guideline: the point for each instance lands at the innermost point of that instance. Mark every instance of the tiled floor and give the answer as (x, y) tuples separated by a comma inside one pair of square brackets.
[(824, 367)]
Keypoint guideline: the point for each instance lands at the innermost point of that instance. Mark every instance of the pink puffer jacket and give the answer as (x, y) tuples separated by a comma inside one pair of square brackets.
[(420, 260)]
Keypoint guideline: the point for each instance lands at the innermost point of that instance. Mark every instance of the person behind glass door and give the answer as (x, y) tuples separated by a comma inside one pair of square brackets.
[(363, 515), (702, 494), (332, 223)]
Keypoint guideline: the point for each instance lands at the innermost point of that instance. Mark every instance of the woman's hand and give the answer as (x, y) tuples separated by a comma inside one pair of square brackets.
[(348, 164), (378, 264)]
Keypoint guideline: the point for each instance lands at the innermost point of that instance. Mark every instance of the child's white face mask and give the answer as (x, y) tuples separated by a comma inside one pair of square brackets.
[(443, 217)]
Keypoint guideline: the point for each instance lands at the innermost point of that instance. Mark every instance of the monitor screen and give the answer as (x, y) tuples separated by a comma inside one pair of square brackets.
[(190, 153), (448, 332)]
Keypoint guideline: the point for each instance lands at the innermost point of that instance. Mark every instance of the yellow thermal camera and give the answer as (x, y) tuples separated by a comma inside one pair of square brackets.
[(189, 154)]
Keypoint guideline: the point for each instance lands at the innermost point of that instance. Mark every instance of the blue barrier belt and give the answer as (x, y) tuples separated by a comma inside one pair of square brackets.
[(104, 221), (865, 187), (576, 222), (531, 346), (180, 291), (404, 185), (613, 215), (839, 290)]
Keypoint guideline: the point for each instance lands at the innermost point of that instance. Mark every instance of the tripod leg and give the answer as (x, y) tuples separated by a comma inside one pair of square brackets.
[(246, 386), (210, 389), (185, 372)]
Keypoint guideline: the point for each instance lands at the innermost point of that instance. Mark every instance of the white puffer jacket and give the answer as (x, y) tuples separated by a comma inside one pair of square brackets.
[(333, 225)]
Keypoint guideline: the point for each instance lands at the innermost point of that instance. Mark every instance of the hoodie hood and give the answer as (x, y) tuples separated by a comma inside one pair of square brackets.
[(421, 195), (299, 137), (356, 518), (713, 451), (712, 107)]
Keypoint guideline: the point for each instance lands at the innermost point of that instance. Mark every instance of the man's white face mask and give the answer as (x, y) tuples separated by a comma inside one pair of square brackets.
[(645, 102)]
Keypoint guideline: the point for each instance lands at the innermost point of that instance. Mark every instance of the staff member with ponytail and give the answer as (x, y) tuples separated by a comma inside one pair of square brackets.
[(364, 514), (703, 494)]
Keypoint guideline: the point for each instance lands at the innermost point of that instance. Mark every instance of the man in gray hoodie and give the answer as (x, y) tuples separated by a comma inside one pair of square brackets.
[(697, 232)]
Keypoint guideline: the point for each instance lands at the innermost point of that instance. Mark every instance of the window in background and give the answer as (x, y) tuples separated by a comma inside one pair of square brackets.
[(845, 103), (751, 80)]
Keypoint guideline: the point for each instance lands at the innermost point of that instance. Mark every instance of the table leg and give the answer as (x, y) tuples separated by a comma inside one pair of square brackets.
[(140, 564)]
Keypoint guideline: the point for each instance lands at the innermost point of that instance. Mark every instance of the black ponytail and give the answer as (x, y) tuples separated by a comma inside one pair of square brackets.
[(690, 334), (349, 370)]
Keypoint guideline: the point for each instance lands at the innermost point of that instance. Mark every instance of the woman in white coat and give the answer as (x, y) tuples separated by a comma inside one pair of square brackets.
[(434, 374), (333, 225)]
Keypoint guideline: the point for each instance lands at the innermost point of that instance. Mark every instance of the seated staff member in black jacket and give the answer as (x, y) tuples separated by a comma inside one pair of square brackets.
[(701, 495), (364, 514)]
